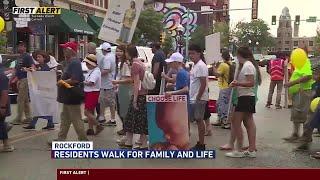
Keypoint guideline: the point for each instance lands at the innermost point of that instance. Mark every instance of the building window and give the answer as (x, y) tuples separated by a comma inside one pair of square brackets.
[(310, 43), (295, 43), (106, 4), (279, 34), (279, 42), (287, 42), (289, 34), (89, 1), (288, 24), (287, 49)]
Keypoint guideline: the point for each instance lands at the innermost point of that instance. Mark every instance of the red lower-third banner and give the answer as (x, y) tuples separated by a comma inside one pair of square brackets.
[(184, 174)]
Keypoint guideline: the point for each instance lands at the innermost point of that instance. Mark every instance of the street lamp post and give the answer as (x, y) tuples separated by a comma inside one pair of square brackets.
[(180, 30)]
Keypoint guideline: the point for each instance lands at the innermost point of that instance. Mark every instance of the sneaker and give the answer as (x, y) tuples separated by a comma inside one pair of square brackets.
[(303, 147), (226, 126), (29, 127), (110, 123), (121, 132), (15, 122), (90, 132), (249, 154), (278, 107), (268, 105), (102, 121), (199, 147), (9, 148), (48, 128), (122, 141), (85, 120), (292, 138), (235, 154), (218, 123), (99, 128), (315, 155), (27, 121)]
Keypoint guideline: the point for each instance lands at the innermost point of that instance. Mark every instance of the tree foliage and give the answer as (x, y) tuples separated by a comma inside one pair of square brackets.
[(224, 30), (150, 25), (198, 37), (253, 34), (317, 43), (3, 42), (168, 44)]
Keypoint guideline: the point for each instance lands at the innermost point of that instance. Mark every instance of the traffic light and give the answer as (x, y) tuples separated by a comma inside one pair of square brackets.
[(297, 20), (274, 20), (254, 13), (162, 37)]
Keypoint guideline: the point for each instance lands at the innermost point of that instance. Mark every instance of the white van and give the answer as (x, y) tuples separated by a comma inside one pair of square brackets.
[(144, 52)]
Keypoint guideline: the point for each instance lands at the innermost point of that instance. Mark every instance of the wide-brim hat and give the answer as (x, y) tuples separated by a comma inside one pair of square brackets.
[(91, 59)]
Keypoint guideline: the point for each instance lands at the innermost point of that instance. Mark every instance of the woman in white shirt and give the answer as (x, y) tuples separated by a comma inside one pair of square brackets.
[(125, 84), (92, 85), (248, 76)]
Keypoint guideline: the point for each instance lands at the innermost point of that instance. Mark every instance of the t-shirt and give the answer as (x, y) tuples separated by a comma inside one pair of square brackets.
[(125, 71), (159, 57), (109, 62), (247, 69), (43, 67), (223, 70), (26, 61), (199, 70), (299, 73), (182, 80), (93, 75), (4, 86), (73, 70), (139, 68)]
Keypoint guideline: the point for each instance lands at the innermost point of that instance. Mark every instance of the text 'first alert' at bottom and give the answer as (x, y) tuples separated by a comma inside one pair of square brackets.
[(132, 154)]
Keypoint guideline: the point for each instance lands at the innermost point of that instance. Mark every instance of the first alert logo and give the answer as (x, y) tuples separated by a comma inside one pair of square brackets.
[(36, 10)]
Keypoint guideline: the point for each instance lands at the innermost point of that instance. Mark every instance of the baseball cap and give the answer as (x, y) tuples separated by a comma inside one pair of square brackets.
[(91, 59), (70, 45), (175, 57), (105, 46)]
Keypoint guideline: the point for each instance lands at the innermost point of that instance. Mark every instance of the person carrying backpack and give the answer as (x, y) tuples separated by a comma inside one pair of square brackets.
[(225, 74), (276, 70)]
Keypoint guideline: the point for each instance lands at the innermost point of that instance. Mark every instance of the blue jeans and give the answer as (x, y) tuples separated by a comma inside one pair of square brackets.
[(35, 119)]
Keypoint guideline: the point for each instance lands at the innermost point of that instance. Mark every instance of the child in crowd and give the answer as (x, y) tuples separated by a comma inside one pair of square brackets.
[(92, 86), (42, 59)]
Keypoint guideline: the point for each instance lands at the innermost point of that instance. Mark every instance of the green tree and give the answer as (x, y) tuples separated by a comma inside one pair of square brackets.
[(167, 44), (198, 37), (3, 42), (224, 30), (254, 34), (149, 25)]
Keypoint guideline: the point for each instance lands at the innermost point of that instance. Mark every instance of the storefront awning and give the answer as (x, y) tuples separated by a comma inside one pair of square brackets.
[(95, 22), (72, 22)]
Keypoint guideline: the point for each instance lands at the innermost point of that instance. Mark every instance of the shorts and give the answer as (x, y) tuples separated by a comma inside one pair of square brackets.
[(246, 104), (107, 97), (91, 100), (197, 110)]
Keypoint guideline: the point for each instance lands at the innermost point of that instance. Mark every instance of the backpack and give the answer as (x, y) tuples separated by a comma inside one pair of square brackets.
[(232, 70), (148, 81)]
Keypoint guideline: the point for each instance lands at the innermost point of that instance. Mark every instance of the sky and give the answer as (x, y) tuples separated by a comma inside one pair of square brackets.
[(267, 8)]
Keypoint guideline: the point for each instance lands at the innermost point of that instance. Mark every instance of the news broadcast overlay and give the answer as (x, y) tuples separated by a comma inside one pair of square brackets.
[(120, 23), (23, 16), (43, 95), (84, 150), (168, 122)]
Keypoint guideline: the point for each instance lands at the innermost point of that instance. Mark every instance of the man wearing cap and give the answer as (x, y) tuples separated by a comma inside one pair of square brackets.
[(25, 64), (107, 94), (71, 110), (182, 80)]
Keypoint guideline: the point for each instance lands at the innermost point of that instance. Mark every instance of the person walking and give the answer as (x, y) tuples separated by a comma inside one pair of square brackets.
[(107, 94), (92, 86), (42, 59), (136, 119), (158, 64), (276, 70), (124, 83), (71, 98), (25, 64), (224, 74), (199, 93), (248, 76), (4, 110)]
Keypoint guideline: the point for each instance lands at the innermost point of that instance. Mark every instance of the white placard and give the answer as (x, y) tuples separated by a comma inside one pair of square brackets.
[(43, 94), (119, 25), (213, 48)]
